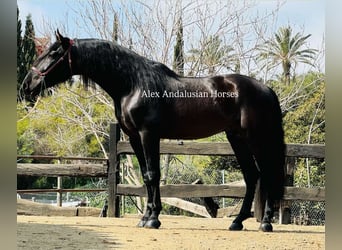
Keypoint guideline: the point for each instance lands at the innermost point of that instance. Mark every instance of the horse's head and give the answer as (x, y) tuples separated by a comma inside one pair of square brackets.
[(53, 66)]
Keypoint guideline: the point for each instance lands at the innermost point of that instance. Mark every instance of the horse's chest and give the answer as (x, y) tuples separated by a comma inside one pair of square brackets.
[(126, 115), (135, 114)]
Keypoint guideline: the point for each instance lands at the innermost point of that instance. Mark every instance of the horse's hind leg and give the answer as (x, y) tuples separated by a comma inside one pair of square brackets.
[(264, 161), (266, 225), (250, 174)]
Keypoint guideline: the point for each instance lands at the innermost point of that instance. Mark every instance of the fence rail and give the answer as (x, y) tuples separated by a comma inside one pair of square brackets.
[(55, 157), (112, 169), (223, 149), (60, 190), (55, 170), (221, 190)]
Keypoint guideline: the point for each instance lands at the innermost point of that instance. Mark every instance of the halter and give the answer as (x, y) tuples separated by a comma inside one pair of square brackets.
[(67, 52)]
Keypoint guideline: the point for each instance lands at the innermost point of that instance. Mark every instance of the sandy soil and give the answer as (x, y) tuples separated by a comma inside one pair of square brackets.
[(42, 232)]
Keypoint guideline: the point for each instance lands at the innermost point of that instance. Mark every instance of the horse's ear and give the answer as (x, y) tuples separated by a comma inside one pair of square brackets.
[(59, 37), (65, 41)]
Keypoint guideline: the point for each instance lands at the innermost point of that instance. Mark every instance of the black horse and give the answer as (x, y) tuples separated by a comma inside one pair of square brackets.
[(153, 102)]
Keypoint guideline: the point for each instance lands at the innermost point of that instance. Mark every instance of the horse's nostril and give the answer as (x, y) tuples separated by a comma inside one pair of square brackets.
[(25, 86)]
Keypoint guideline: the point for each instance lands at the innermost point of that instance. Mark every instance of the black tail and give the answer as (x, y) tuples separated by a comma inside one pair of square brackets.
[(272, 161), (277, 154)]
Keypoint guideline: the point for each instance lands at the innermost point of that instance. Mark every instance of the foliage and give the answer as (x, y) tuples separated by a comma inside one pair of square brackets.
[(66, 123), (285, 50), (25, 136), (306, 124)]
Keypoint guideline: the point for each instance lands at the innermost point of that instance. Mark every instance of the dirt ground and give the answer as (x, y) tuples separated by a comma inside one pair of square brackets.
[(176, 232)]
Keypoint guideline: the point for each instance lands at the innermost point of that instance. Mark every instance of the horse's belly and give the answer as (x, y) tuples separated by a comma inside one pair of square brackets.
[(198, 118), (193, 127)]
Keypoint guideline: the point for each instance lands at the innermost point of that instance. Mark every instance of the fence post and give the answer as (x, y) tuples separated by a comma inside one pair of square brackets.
[(223, 182), (59, 187), (285, 206), (113, 171), (59, 193)]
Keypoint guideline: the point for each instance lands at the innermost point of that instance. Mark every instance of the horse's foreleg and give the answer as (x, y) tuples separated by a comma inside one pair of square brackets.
[(138, 149), (151, 176)]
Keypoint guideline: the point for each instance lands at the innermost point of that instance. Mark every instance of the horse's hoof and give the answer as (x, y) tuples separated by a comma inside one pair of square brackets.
[(266, 227), (235, 226), (152, 223), (142, 223)]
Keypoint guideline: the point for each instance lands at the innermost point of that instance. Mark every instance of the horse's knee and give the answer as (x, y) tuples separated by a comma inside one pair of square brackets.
[(151, 178)]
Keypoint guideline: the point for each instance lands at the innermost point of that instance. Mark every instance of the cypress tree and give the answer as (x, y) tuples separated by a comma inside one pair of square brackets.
[(20, 76), (178, 54), (26, 51), (29, 53), (115, 28)]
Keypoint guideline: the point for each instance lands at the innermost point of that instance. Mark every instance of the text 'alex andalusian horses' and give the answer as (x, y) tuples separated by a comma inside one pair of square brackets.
[(152, 102)]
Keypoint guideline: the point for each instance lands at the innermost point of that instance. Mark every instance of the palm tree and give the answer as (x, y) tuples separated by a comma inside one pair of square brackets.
[(286, 50), (213, 54)]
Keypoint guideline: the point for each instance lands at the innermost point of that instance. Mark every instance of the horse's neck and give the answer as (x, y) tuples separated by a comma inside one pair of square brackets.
[(109, 67)]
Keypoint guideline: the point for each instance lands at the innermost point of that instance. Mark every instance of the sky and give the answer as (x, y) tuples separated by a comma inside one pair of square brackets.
[(304, 16), (302, 13)]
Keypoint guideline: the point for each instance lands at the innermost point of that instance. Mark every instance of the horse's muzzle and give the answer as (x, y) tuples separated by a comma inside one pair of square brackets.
[(25, 91)]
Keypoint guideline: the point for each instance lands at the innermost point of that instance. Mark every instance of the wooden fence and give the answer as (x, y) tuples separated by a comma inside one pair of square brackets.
[(115, 189)]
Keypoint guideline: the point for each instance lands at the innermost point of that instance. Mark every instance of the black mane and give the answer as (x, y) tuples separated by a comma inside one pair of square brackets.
[(125, 65)]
